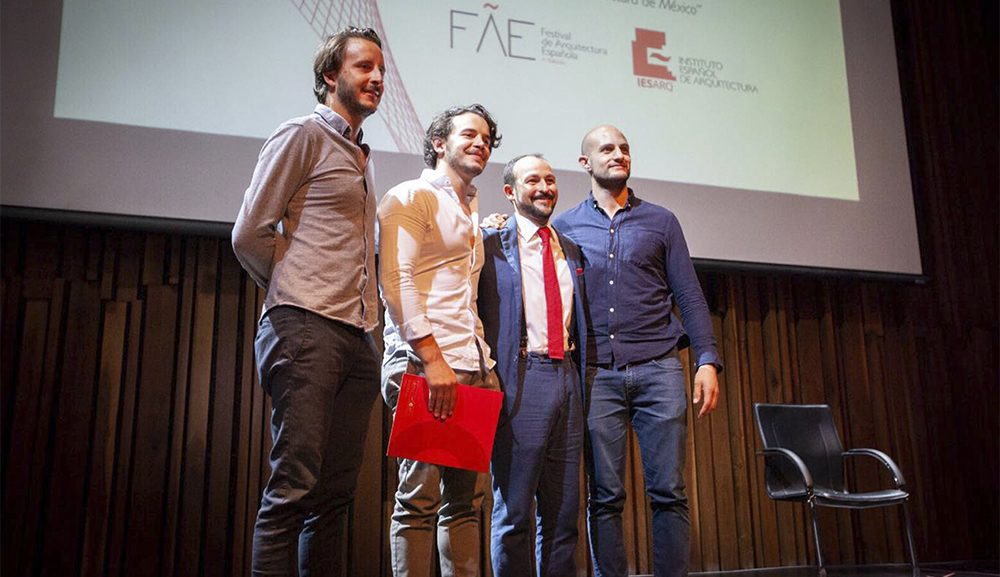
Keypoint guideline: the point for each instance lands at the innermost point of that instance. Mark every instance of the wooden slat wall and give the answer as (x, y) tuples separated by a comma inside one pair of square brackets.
[(136, 430), (135, 436)]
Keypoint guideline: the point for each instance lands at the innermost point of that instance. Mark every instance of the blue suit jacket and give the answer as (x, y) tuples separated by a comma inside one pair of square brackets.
[(501, 306)]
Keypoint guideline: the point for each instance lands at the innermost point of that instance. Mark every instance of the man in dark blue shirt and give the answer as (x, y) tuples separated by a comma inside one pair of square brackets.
[(637, 264)]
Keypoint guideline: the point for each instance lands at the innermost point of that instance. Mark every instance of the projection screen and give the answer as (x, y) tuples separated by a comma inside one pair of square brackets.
[(773, 129)]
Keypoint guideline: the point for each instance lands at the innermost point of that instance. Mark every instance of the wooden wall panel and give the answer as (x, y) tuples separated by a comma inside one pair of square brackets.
[(744, 466), (148, 462), (221, 415), (180, 402), (138, 431), (135, 434), (123, 445), (69, 469), (726, 518), (24, 418), (841, 547), (701, 487), (244, 507), (109, 381), (196, 415)]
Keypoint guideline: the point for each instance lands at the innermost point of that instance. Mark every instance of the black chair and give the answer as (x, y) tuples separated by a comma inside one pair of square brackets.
[(804, 461)]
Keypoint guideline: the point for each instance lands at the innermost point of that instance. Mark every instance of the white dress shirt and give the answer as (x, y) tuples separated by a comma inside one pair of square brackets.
[(529, 246), (431, 253)]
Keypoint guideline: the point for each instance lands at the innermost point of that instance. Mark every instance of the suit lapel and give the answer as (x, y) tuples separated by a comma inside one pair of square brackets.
[(508, 237), (575, 261)]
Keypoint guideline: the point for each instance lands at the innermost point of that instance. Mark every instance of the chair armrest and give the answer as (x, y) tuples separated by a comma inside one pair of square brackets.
[(897, 474), (796, 460)]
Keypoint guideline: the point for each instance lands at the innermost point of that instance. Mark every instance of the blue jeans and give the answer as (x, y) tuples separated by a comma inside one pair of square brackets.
[(536, 458), (322, 377), (653, 396)]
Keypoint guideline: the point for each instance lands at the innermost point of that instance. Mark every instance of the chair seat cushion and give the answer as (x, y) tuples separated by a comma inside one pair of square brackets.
[(833, 498)]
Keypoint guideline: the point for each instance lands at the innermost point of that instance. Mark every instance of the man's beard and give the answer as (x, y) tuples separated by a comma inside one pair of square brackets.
[(532, 212), (470, 171), (608, 182), (346, 96)]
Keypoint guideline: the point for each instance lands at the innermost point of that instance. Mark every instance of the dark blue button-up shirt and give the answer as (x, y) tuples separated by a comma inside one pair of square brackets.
[(637, 263)]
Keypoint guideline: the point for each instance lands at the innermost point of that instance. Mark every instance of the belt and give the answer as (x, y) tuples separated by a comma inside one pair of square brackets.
[(542, 357)]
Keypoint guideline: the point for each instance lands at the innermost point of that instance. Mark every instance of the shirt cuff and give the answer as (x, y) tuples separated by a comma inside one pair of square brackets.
[(418, 326), (710, 358)]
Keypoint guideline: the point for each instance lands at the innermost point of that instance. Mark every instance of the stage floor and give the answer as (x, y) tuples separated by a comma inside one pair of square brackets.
[(956, 569)]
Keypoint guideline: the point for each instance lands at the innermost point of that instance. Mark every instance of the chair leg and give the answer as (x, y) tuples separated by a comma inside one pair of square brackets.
[(819, 550), (909, 540)]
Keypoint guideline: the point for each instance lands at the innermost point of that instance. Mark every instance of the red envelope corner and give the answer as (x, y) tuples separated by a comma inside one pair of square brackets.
[(465, 440)]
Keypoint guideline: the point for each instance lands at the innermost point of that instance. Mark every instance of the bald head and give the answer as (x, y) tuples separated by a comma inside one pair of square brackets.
[(605, 155), (597, 134)]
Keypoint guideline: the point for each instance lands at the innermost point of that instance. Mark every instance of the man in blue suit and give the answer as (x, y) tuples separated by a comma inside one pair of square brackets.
[(531, 302)]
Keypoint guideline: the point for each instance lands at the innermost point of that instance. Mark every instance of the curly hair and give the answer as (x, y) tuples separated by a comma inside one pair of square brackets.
[(442, 124)]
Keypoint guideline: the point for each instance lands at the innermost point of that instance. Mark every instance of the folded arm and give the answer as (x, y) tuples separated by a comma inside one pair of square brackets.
[(282, 168)]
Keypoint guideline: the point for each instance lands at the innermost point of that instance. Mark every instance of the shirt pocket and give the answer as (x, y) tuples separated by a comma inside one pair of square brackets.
[(643, 248)]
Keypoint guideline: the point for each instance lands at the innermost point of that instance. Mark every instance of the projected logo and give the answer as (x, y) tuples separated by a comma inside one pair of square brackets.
[(646, 41)]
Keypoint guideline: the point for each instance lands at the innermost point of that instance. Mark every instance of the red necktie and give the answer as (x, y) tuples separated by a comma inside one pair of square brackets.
[(553, 297)]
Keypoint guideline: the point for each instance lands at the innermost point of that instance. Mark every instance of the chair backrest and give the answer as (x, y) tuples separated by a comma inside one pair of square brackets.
[(809, 432)]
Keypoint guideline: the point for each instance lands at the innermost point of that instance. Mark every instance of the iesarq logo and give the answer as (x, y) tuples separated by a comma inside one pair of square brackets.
[(642, 65)]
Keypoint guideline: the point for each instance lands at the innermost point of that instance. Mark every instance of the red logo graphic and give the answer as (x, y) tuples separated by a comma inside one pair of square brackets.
[(641, 65)]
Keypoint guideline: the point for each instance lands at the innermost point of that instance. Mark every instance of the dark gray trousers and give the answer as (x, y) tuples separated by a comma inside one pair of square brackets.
[(322, 377)]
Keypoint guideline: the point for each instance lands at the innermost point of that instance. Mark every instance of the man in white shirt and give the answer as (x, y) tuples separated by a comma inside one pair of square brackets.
[(531, 302), (431, 252)]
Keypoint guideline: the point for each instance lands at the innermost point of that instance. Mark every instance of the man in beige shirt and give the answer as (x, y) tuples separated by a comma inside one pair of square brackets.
[(431, 251)]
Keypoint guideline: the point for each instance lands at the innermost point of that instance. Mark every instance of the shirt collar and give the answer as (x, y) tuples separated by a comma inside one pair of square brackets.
[(527, 229), (439, 179), (628, 202), (339, 124)]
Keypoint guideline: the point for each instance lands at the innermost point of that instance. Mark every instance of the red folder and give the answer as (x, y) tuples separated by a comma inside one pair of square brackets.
[(464, 440)]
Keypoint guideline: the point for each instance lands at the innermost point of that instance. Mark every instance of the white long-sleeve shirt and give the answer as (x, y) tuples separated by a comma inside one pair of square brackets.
[(536, 320), (430, 256)]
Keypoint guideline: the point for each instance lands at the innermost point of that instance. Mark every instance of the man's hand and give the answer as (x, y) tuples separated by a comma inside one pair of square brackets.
[(495, 220), (706, 385), (442, 384), (443, 387)]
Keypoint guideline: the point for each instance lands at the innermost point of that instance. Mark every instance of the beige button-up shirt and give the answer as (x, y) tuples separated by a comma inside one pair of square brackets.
[(306, 230)]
